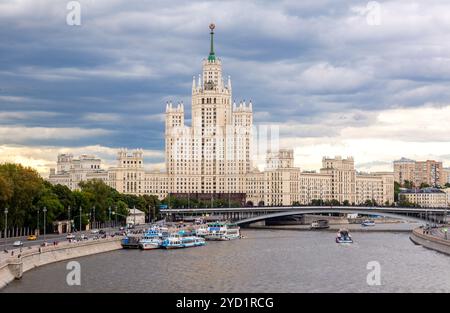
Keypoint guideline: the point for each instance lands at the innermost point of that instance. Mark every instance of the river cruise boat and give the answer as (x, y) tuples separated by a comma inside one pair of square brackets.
[(222, 231), (343, 236), (177, 241), (151, 240), (130, 242), (368, 223), (201, 230), (319, 224)]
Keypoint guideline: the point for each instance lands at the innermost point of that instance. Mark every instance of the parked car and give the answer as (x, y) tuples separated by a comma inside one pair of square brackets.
[(83, 237), (94, 231), (101, 232), (18, 243), (70, 236), (32, 237)]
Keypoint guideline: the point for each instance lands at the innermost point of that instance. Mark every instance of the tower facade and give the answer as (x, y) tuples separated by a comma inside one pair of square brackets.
[(213, 154)]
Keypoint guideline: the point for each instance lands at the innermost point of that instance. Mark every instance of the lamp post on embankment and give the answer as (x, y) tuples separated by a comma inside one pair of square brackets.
[(6, 226), (115, 213), (45, 224)]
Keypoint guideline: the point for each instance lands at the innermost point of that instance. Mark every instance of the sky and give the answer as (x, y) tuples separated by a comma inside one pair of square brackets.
[(353, 78)]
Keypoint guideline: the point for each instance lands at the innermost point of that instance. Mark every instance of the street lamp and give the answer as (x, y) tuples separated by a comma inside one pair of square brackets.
[(68, 215), (115, 213), (6, 226), (93, 220), (80, 218), (45, 224), (109, 209), (38, 231)]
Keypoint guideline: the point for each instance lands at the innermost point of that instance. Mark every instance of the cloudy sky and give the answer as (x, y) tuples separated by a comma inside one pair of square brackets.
[(337, 78)]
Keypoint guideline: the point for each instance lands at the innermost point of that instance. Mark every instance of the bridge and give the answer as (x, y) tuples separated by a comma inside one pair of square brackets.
[(248, 215)]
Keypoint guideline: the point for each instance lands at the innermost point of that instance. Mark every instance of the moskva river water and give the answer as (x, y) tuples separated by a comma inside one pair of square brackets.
[(265, 261)]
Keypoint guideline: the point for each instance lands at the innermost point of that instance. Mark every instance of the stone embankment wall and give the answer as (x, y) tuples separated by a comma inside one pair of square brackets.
[(13, 267), (430, 242)]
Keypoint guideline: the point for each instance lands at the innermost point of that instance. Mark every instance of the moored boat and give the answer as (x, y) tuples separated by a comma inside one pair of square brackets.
[(130, 242), (177, 241), (151, 240), (368, 223), (343, 236), (319, 224), (222, 231), (202, 230)]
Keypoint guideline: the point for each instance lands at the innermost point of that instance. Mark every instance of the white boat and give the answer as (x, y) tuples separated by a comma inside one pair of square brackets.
[(150, 244), (343, 236), (202, 230), (319, 224), (222, 231), (368, 223), (177, 241), (151, 239)]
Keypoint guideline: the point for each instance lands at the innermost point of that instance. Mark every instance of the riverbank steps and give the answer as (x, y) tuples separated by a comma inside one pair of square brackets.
[(13, 267), (430, 241)]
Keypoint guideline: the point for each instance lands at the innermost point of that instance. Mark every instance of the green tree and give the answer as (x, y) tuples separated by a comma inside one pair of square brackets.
[(424, 185), (396, 190), (23, 188), (408, 184), (98, 195)]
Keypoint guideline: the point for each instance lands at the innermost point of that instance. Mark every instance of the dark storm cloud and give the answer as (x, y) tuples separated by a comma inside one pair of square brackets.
[(300, 62)]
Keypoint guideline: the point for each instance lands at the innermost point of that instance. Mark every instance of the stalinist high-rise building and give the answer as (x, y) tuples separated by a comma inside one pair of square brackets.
[(213, 156)]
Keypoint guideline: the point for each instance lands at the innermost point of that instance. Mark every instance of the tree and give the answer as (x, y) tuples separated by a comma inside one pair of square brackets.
[(408, 184), (23, 188), (98, 195), (396, 190), (424, 185)]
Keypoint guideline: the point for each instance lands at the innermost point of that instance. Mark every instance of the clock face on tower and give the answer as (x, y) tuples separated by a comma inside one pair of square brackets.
[(209, 85)]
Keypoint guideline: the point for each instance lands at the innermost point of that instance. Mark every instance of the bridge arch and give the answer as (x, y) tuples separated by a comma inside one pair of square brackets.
[(334, 210)]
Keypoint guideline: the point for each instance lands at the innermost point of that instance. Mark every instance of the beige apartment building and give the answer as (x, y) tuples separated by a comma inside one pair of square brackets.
[(214, 155), (428, 172), (70, 171), (404, 170), (426, 197), (447, 175)]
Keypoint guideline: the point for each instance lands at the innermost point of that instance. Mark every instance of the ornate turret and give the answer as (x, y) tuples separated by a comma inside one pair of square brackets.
[(212, 56)]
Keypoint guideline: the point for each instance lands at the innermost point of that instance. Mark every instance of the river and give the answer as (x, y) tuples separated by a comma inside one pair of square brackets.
[(265, 261)]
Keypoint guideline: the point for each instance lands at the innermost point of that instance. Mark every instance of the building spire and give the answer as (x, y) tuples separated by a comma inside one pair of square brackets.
[(212, 56)]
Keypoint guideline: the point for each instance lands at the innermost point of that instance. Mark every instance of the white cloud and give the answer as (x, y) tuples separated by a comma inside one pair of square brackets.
[(21, 134), (102, 117), (24, 115), (44, 157), (419, 133)]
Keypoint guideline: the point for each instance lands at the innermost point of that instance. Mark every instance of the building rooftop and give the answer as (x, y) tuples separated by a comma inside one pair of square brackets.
[(404, 160), (423, 190)]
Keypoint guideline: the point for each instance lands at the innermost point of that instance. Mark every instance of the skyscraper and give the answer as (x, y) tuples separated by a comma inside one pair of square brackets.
[(213, 154)]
